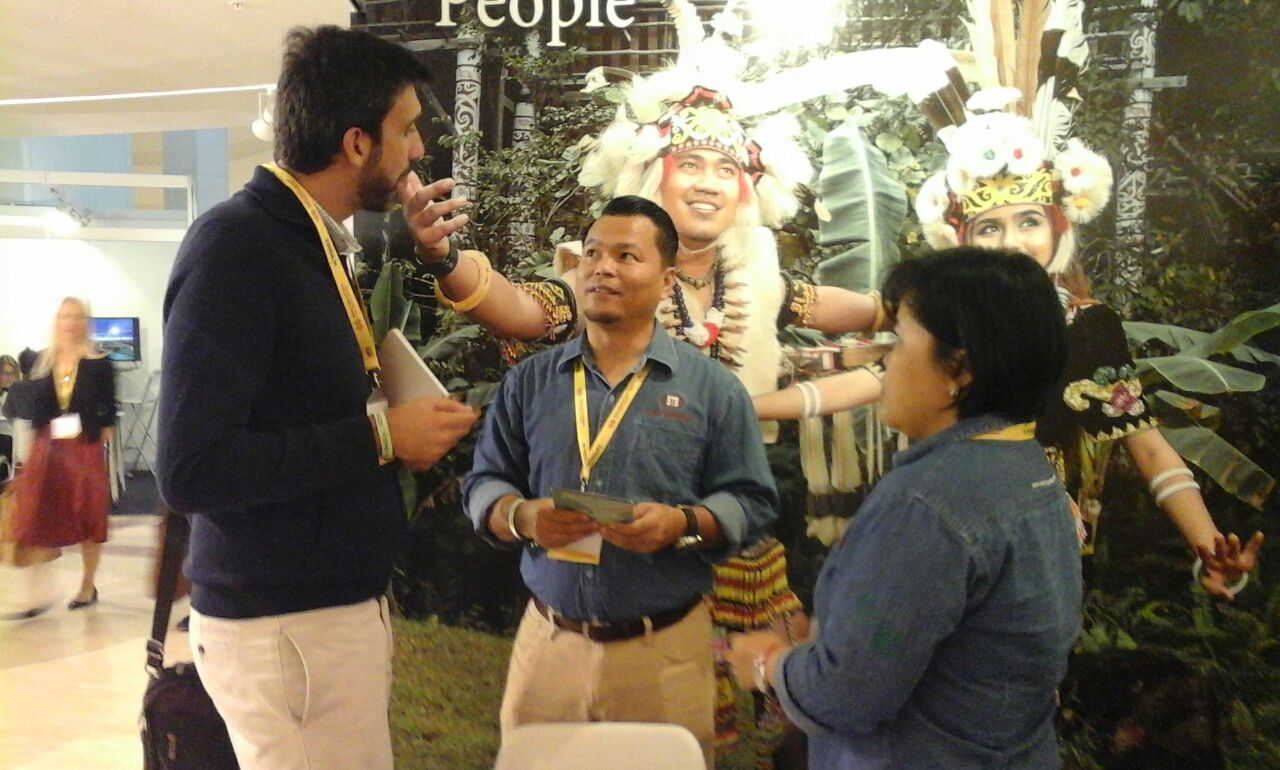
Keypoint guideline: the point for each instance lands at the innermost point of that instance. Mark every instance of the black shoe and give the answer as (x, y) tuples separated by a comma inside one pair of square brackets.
[(76, 604), (184, 625), (25, 614)]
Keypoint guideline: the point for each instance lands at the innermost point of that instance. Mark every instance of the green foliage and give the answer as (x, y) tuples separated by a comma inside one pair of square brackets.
[(1189, 423), (866, 205)]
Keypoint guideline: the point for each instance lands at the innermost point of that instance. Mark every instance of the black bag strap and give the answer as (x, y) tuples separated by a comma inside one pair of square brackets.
[(177, 528)]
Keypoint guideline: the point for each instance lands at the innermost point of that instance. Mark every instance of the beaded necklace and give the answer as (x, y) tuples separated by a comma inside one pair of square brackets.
[(707, 334)]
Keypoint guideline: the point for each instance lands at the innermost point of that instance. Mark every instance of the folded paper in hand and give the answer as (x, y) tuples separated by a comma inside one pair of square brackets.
[(405, 376)]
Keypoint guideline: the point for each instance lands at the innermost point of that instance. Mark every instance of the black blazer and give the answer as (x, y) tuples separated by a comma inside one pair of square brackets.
[(94, 398)]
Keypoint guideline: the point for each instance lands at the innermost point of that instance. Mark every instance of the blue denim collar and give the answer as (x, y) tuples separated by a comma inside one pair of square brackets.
[(961, 431), (661, 350)]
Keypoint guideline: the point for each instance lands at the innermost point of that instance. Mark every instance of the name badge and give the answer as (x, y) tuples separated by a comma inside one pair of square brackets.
[(584, 551), (377, 403), (66, 426)]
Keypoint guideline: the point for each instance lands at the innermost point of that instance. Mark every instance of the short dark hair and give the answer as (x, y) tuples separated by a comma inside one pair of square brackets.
[(331, 80), (996, 314), (668, 239)]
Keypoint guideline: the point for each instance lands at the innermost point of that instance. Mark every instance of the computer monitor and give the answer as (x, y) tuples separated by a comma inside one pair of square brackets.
[(117, 337)]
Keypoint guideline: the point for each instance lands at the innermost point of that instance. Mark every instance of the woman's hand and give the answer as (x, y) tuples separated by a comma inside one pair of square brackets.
[(1226, 562), (744, 649)]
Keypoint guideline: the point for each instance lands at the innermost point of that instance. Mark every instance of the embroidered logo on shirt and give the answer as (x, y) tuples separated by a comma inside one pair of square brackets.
[(672, 407)]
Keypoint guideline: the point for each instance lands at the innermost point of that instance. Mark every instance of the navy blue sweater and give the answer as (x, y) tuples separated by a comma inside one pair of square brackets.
[(262, 427)]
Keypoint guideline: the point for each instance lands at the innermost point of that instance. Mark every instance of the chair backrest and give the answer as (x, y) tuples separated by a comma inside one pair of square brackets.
[(600, 746)]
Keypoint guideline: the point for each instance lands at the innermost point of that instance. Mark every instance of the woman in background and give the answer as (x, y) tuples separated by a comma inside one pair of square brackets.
[(62, 492)]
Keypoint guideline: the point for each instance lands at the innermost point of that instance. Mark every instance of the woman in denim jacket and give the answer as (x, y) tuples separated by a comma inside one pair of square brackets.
[(946, 615)]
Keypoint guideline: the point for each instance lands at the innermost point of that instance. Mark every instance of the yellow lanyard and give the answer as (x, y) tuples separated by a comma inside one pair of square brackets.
[(351, 301), (591, 451), (65, 386), (1023, 431)]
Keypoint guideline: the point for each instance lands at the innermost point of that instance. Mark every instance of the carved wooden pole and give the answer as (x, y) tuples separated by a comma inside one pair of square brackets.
[(523, 228), (466, 114), (1131, 192)]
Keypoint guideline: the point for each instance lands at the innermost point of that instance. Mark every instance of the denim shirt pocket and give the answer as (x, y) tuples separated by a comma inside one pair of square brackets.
[(666, 456)]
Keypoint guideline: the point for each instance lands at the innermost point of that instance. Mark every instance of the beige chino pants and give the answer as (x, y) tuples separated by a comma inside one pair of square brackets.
[(302, 691), (665, 676)]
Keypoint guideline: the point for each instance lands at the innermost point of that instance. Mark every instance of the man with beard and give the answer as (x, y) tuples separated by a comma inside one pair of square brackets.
[(621, 634), (271, 434)]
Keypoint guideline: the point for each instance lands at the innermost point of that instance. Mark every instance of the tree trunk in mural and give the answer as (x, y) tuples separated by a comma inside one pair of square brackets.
[(1131, 192)]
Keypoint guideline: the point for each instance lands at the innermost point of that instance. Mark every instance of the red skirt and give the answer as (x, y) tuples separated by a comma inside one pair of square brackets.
[(62, 491)]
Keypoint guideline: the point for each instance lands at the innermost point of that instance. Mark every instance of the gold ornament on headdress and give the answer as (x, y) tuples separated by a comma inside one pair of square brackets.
[(1007, 189), (704, 119)]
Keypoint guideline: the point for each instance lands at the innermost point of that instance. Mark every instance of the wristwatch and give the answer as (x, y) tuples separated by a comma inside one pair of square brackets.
[(442, 267), (691, 537)]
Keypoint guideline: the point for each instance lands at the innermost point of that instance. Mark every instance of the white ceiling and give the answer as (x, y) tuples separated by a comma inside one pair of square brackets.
[(94, 47)]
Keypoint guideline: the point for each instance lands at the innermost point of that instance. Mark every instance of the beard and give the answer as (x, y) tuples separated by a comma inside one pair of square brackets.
[(375, 191), (597, 316)]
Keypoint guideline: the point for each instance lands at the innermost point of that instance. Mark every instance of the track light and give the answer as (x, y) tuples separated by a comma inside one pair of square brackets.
[(66, 219), (262, 126)]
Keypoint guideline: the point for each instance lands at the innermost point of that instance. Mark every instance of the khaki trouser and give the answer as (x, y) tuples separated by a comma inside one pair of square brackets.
[(665, 676), (306, 690)]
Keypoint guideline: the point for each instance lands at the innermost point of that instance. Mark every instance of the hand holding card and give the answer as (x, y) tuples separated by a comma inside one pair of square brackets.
[(601, 508)]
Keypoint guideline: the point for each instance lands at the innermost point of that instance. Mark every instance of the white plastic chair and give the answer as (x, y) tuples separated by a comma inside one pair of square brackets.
[(600, 746)]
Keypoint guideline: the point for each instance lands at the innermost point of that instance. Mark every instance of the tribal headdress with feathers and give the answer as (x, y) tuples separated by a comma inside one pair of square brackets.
[(706, 79), (1004, 149), (689, 106), (702, 101)]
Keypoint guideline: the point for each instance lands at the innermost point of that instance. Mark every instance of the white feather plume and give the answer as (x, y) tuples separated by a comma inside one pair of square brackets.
[(1052, 119), (689, 32), (983, 40)]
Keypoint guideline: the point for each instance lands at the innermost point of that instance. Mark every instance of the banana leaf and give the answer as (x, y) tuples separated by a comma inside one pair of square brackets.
[(1176, 411), (450, 344), (388, 306), (1241, 329), (1195, 343), (867, 205), (1233, 471), (1197, 375)]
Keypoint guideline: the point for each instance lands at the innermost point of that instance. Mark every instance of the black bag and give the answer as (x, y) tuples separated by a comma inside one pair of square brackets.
[(181, 729)]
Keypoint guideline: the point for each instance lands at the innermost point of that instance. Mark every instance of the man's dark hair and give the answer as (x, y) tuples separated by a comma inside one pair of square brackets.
[(26, 362), (635, 206), (331, 80), (994, 314)]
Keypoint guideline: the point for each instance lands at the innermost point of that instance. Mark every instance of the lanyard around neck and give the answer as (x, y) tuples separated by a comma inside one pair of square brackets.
[(65, 385), (591, 451), (1023, 431), (351, 302)]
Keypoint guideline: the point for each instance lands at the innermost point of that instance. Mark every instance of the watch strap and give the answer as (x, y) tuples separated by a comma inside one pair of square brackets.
[(443, 267), (690, 521)]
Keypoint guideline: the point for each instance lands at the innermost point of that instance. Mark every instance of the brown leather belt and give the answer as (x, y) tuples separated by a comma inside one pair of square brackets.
[(619, 630)]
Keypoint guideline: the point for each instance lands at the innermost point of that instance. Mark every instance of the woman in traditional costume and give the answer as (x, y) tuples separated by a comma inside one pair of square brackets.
[(1014, 180)]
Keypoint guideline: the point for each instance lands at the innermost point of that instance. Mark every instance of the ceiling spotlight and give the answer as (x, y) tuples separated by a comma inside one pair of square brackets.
[(262, 125), (262, 130)]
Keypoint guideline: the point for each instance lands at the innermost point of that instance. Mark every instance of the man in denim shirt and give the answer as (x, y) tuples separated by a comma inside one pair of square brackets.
[(627, 638)]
